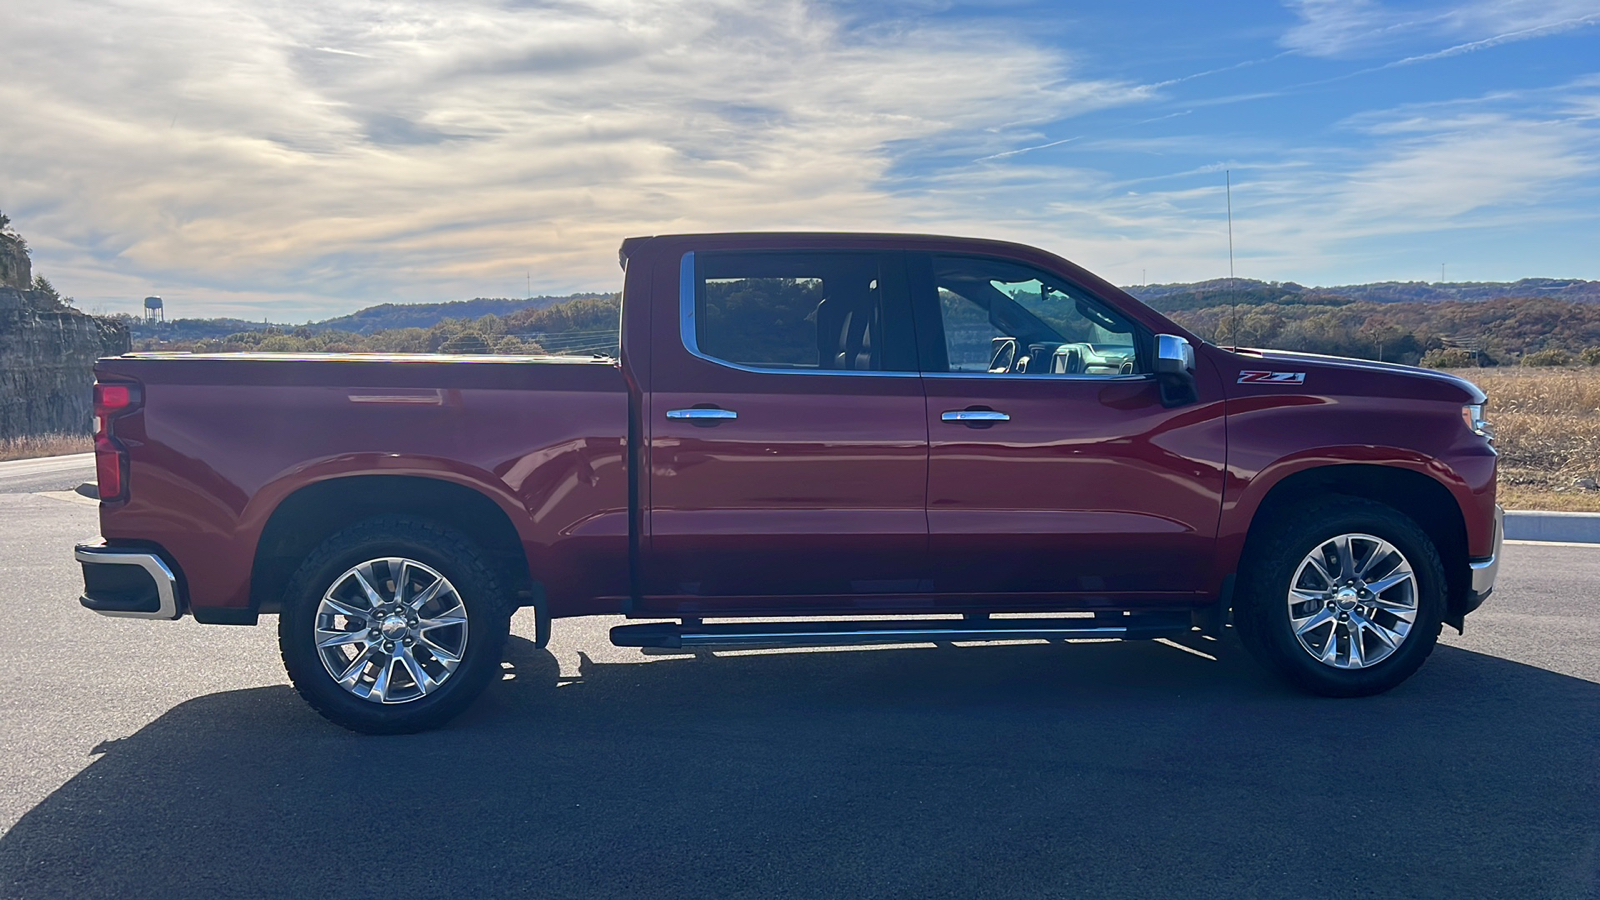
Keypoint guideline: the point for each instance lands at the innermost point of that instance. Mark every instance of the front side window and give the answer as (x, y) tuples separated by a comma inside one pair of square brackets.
[(794, 311), (1006, 319)]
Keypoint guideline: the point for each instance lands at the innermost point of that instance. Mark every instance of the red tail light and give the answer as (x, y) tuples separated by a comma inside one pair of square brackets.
[(108, 463), (112, 400)]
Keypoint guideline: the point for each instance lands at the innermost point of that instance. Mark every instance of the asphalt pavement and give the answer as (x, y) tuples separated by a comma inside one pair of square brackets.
[(171, 760), (53, 473)]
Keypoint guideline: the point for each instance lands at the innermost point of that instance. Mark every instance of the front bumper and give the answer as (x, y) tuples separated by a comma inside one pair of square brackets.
[(1484, 571), (128, 582)]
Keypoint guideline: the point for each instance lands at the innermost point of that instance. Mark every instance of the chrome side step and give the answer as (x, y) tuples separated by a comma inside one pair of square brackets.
[(691, 633)]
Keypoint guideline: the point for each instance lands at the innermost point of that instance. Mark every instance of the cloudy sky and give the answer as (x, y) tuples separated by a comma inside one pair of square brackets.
[(297, 160)]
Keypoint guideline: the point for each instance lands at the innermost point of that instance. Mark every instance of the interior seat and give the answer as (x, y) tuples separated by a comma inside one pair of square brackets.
[(1068, 360), (845, 331)]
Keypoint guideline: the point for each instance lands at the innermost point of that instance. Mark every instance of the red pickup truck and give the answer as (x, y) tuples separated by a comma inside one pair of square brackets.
[(869, 438)]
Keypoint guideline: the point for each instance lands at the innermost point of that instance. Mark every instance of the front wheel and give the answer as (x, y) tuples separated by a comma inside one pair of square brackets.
[(1344, 601), (393, 625)]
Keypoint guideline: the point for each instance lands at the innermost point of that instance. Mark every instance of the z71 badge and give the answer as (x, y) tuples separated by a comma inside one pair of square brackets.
[(1249, 376)]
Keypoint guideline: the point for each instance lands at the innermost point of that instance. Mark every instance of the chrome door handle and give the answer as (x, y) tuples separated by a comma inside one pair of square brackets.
[(974, 415), (701, 414)]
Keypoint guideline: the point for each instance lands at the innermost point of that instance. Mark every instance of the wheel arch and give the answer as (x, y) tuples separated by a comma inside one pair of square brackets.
[(309, 515), (1414, 494)]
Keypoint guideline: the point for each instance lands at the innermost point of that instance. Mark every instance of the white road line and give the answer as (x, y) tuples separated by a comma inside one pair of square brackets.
[(17, 468), (1553, 544)]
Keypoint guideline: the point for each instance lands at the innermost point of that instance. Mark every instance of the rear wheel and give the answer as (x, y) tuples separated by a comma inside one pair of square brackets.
[(393, 625), (1345, 600)]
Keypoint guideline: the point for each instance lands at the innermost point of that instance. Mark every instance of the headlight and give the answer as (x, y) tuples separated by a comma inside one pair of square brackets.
[(1472, 414)]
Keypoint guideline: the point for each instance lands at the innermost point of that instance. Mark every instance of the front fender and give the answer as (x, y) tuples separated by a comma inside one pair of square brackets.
[(1361, 470)]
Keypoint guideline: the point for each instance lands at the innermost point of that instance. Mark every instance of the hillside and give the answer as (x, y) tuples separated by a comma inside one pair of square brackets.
[(1248, 291), (426, 315), (1535, 321)]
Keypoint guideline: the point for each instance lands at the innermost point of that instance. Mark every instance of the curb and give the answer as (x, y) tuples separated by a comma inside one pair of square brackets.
[(1564, 527)]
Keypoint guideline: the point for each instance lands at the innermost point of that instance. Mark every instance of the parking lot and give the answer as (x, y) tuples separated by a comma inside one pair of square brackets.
[(173, 760)]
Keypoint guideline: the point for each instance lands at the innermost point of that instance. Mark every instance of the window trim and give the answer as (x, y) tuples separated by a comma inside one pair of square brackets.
[(691, 340), (1025, 376)]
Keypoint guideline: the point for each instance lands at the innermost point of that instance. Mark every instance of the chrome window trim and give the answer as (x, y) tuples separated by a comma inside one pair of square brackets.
[(1042, 376), (691, 343)]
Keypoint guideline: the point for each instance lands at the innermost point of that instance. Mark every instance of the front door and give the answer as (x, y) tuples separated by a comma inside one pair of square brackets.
[(1054, 468), (788, 441)]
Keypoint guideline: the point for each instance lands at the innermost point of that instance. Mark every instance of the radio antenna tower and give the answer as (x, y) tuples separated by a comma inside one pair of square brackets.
[(1228, 175)]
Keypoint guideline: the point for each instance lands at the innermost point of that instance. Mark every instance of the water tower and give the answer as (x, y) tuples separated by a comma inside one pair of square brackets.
[(153, 311)]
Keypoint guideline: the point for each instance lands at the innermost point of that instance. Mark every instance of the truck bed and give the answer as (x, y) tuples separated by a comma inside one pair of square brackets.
[(222, 440)]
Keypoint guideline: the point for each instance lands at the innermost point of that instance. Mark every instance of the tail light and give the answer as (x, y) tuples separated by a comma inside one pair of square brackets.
[(112, 400)]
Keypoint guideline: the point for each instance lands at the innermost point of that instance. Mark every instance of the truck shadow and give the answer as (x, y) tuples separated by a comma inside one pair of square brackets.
[(1024, 770)]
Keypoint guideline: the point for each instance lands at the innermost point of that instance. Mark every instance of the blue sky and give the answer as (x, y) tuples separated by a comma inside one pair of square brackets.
[(294, 161)]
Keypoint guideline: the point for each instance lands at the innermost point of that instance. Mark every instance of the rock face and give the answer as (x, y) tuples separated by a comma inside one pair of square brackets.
[(16, 270), (47, 364)]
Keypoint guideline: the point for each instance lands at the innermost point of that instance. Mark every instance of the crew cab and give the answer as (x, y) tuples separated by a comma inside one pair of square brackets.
[(808, 440)]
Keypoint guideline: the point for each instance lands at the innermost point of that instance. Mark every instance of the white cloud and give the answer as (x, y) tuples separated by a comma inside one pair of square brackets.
[(1332, 213), (418, 151), (302, 159), (1360, 28)]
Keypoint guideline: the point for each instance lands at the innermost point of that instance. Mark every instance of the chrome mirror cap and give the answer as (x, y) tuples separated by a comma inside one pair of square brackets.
[(1174, 355)]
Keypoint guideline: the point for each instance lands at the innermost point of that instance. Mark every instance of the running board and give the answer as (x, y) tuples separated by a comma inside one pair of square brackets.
[(675, 635)]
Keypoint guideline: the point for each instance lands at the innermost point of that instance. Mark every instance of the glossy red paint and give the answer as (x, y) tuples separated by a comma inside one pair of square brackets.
[(222, 442), (830, 493), (1092, 488), (786, 500), (1350, 412)]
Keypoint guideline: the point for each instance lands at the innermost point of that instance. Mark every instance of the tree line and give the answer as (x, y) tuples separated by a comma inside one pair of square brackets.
[(1445, 334), (1448, 334), (582, 326)]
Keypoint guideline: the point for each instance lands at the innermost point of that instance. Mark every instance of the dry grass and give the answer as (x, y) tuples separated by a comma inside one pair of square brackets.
[(44, 445), (1547, 429)]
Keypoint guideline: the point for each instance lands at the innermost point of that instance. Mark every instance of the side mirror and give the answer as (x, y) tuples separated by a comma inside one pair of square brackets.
[(1175, 370), (1174, 356)]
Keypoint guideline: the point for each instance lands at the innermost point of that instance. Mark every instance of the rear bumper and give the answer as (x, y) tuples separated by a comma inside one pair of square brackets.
[(128, 582), (1484, 571)]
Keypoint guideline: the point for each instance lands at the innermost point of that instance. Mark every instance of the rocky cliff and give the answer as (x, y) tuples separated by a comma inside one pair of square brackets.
[(16, 271), (47, 364)]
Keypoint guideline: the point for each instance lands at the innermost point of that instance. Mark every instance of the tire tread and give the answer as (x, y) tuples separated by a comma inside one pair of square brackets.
[(1255, 616), (471, 566)]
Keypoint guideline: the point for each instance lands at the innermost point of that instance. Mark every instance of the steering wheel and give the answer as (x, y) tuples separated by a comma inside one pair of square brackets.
[(1005, 358)]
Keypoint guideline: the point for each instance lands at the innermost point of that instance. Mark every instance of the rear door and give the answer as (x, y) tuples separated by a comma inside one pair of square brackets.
[(787, 436), (1054, 468)]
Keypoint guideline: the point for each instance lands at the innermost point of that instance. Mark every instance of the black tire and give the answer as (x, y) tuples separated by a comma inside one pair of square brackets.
[(450, 554), (1261, 613)]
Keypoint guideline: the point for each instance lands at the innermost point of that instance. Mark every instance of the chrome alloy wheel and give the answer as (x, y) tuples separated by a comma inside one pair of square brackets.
[(1353, 600), (391, 630)]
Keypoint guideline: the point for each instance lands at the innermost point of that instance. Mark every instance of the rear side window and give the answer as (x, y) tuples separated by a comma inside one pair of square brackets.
[(808, 312)]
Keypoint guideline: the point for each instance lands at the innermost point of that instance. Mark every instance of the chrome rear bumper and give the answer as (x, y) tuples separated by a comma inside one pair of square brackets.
[(127, 582)]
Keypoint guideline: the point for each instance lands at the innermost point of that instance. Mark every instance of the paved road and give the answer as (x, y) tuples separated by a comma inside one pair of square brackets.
[(55, 473), (170, 760)]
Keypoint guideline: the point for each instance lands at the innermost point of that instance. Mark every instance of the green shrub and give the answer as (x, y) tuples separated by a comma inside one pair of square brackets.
[(1548, 358), (1449, 358)]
